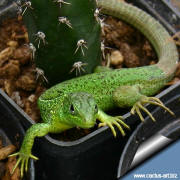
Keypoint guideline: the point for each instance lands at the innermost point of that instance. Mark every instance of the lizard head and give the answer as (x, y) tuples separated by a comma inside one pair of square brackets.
[(80, 109)]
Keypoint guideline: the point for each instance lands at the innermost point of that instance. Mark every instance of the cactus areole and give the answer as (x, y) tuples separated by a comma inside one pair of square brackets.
[(63, 32)]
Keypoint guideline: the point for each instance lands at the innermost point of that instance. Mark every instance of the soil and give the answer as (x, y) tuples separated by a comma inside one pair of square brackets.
[(17, 71), (7, 163), (124, 45)]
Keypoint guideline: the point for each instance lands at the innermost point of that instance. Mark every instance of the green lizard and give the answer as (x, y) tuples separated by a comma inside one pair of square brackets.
[(79, 102)]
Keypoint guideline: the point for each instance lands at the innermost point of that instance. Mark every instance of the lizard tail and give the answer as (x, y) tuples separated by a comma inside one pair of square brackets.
[(152, 29)]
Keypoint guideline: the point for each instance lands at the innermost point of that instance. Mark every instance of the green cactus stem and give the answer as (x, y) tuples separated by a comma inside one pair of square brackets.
[(63, 33)]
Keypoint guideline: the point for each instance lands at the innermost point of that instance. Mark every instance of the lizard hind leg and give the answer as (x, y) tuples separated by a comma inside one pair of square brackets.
[(148, 100), (131, 96)]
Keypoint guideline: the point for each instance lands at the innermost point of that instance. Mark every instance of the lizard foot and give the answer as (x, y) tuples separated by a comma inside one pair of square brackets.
[(23, 160), (148, 100), (110, 121)]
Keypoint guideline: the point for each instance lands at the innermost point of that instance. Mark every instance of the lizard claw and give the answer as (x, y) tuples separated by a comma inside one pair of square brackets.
[(148, 100), (110, 121), (23, 160)]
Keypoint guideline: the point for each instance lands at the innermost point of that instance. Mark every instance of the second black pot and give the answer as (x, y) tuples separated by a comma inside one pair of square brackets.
[(11, 130)]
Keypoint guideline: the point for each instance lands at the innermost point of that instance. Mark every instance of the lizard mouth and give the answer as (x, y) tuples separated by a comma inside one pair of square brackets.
[(87, 125)]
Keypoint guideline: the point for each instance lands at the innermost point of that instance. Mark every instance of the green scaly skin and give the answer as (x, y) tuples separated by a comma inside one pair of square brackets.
[(79, 102)]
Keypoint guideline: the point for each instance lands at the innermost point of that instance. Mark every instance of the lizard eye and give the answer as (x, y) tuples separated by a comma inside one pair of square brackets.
[(96, 108), (72, 109)]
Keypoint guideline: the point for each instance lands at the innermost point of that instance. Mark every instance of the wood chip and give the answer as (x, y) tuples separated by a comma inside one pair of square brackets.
[(6, 151)]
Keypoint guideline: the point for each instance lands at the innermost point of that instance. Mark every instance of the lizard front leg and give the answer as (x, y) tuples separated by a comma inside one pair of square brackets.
[(36, 130), (110, 121), (131, 96)]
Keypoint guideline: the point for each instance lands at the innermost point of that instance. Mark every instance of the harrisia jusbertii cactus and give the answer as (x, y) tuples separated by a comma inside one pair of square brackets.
[(64, 36)]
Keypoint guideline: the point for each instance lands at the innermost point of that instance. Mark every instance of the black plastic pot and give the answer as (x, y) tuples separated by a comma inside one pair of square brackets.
[(166, 125), (95, 156), (163, 10), (11, 130), (7, 9)]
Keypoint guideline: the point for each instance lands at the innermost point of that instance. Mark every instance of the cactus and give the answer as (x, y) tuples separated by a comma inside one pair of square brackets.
[(61, 34)]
